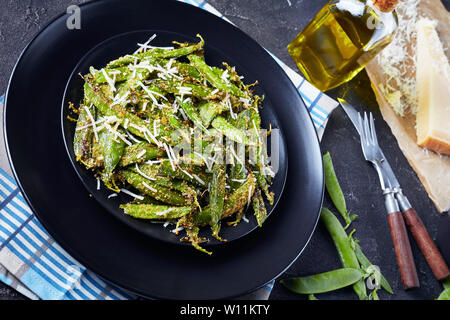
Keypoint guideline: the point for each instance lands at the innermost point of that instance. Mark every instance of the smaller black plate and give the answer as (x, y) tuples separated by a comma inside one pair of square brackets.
[(121, 45)]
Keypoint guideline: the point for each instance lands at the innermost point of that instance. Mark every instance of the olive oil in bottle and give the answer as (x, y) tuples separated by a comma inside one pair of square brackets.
[(343, 37)]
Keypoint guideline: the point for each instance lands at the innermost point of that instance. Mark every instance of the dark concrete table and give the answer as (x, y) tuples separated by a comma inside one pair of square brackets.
[(274, 23)]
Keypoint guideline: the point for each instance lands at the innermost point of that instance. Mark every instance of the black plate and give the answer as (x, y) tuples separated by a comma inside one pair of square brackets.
[(127, 43), (93, 236)]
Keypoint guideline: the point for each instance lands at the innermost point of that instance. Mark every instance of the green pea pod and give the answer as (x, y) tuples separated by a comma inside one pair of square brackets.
[(324, 282), (197, 91), (217, 197), (259, 207), (231, 132), (236, 202), (153, 189), (344, 248), (214, 79), (445, 295), (84, 133), (138, 153), (209, 110), (111, 149), (335, 191), (119, 74), (192, 114), (157, 53), (152, 211), (365, 263), (188, 172)]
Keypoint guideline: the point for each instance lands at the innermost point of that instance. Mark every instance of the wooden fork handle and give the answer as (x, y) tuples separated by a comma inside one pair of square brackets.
[(426, 244), (403, 251)]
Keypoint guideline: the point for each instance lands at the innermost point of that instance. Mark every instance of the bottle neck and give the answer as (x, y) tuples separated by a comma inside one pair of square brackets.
[(385, 5)]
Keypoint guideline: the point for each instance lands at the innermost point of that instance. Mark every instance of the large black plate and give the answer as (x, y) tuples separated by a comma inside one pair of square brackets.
[(85, 229), (121, 45)]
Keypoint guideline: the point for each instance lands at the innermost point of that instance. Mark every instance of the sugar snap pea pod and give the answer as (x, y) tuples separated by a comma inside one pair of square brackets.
[(198, 91), (343, 246), (188, 172), (209, 110), (138, 153), (157, 53), (129, 120), (214, 79), (153, 189), (111, 148), (259, 207), (152, 211), (237, 201), (231, 132), (324, 282), (195, 240), (118, 74), (365, 263), (445, 295), (217, 197), (262, 182), (192, 114), (335, 191), (82, 141)]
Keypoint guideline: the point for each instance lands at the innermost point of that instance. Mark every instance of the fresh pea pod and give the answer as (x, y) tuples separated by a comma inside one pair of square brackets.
[(365, 263), (445, 295), (335, 191), (324, 282), (343, 246), (138, 153), (152, 211), (192, 173)]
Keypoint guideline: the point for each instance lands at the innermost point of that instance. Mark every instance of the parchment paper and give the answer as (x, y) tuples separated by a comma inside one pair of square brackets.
[(433, 169)]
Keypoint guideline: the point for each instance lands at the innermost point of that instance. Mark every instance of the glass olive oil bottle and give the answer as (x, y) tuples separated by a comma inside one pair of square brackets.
[(343, 37)]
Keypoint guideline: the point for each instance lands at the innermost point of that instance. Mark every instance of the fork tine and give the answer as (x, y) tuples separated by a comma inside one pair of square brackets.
[(361, 126), (366, 129), (372, 129)]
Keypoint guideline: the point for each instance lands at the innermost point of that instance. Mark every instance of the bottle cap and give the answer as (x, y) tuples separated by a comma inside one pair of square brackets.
[(385, 5)]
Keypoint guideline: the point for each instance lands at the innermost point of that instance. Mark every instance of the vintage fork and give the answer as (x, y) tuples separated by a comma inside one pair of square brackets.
[(373, 154)]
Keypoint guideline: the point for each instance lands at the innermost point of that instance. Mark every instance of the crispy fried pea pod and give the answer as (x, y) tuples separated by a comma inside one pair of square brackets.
[(343, 246), (335, 191), (231, 132), (188, 172), (84, 133), (209, 110), (192, 114), (324, 282), (197, 91), (153, 189), (214, 79), (259, 207), (157, 53), (234, 203), (138, 153), (155, 212), (217, 197), (119, 74), (111, 148), (193, 238)]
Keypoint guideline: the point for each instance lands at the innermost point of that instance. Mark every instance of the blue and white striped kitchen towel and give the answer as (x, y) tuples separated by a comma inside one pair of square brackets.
[(35, 265)]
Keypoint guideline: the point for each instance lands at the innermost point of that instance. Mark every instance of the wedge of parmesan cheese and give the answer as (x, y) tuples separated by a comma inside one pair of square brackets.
[(433, 84)]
